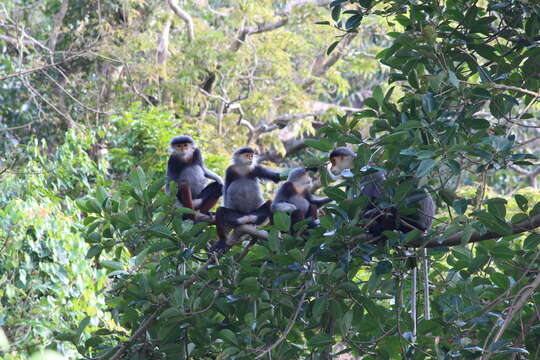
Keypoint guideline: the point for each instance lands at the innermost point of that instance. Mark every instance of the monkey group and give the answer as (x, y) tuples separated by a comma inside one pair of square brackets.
[(244, 208)]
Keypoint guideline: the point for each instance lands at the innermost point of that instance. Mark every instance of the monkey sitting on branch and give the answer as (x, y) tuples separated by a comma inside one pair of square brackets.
[(186, 168), (244, 207), (372, 186), (294, 197)]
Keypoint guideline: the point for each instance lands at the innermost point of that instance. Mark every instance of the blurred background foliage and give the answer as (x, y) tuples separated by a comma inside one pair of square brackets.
[(91, 247)]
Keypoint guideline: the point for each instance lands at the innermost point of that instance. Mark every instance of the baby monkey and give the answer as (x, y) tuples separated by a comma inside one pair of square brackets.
[(294, 197)]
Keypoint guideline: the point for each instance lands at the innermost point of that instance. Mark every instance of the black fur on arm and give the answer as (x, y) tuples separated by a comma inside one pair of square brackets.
[(317, 201), (266, 173), (230, 176)]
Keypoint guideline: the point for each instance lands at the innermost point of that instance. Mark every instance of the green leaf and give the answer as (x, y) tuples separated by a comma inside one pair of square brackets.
[(531, 242), (377, 94), (460, 206), (521, 202), (453, 79), (353, 22), (494, 224), (94, 251), (320, 340), (335, 194), (82, 325), (320, 144), (425, 167), (336, 12), (332, 47), (161, 231), (484, 74), (383, 267), (282, 221), (496, 207), (228, 336), (112, 265)]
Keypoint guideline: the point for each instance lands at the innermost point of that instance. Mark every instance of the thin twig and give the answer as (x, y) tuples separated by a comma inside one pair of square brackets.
[(292, 320)]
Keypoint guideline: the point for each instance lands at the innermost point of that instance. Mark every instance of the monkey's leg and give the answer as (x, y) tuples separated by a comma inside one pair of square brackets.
[(263, 212), (313, 214), (210, 196), (221, 229), (186, 198), (297, 216)]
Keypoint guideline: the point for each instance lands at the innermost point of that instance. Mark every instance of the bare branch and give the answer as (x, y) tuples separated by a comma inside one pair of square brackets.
[(163, 44), (283, 336), (185, 17), (514, 308), (39, 68), (265, 27), (255, 29), (15, 42), (58, 21), (322, 65)]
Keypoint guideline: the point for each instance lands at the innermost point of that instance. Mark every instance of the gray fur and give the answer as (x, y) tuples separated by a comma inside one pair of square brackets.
[(296, 174), (244, 195), (372, 184), (282, 206), (195, 176)]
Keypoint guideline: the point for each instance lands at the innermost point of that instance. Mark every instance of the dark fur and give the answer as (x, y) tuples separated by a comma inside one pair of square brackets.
[(372, 186), (194, 174)]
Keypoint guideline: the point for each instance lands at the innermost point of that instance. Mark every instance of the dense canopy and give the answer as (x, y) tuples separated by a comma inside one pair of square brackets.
[(97, 261)]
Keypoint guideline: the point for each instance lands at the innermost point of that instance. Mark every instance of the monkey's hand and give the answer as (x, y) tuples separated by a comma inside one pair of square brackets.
[(247, 219), (283, 206)]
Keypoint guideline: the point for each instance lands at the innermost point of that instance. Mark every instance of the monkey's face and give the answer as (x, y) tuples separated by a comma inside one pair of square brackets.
[(184, 151), (246, 159), (303, 184), (340, 163)]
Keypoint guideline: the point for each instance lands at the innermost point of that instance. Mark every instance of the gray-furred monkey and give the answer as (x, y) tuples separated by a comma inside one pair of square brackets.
[(186, 168), (294, 197), (243, 198), (372, 187)]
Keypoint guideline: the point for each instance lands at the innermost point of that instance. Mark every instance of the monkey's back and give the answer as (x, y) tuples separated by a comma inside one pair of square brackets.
[(244, 194)]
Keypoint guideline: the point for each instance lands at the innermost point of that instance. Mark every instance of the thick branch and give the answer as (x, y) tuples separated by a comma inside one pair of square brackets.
[(524, 226), (322, 65), (265, 27), (255, 29), (163, 44), (58, 21), (185, 17)]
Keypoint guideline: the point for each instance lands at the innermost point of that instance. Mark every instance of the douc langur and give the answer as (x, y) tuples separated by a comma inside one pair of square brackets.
[(372, 187), (244, 205), (294, 197), (186, 168)]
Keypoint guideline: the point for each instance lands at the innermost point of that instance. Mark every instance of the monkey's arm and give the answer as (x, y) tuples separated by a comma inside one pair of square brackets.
[(266, 173), (230, 176), (212, 175), (317, 201), (280, 203)]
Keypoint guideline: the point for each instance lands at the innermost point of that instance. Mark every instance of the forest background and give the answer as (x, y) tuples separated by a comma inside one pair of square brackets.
[(95, 261)]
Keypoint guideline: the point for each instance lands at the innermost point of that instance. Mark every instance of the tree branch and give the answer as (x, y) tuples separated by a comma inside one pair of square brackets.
[(265, 27), (185, 17), (524, 226), (58, 20), (39, 68)]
